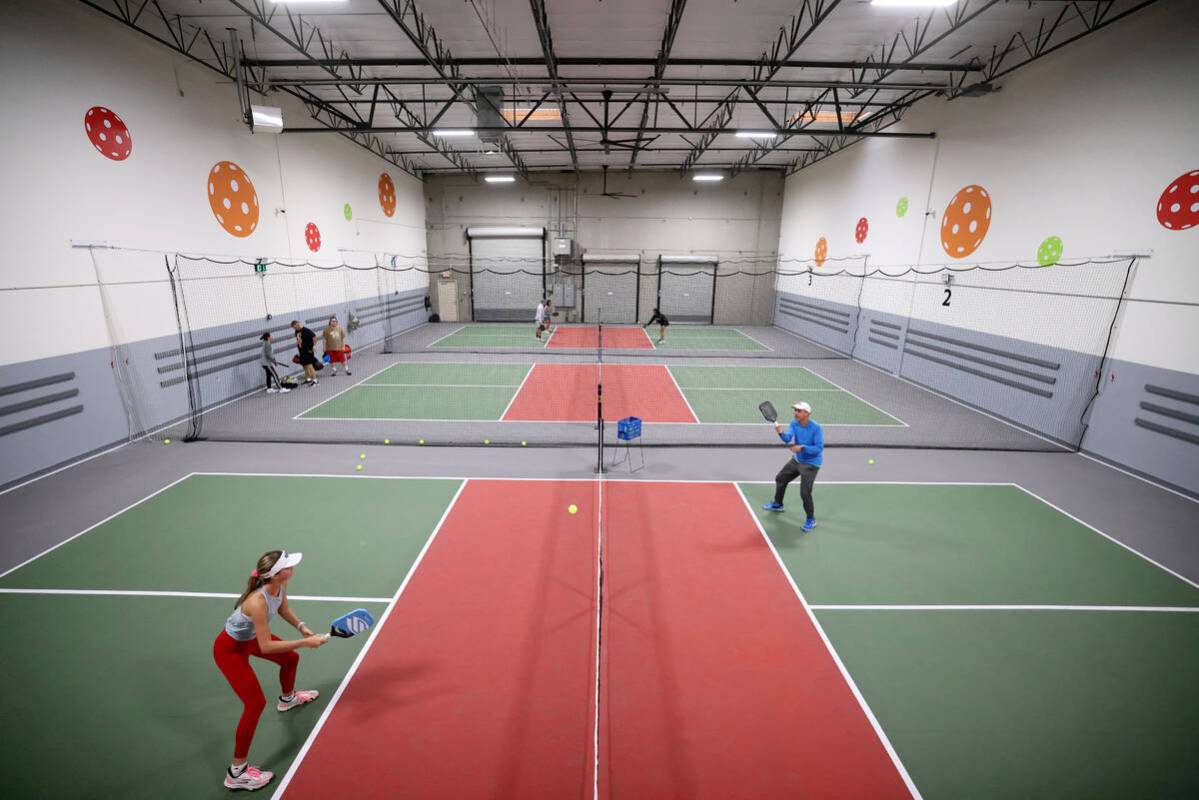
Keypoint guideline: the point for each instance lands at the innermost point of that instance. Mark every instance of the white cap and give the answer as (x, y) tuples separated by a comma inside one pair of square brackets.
[(802, 407), (286, 560)]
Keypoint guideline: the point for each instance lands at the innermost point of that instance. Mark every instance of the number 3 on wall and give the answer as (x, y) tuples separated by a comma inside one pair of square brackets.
[(948, 294)]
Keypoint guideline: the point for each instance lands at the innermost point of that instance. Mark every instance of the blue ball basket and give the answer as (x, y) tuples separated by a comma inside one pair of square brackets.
[(628, 429)]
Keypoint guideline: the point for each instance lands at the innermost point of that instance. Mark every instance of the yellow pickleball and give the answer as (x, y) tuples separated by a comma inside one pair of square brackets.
[(362, 456), (870, 461), (421, 441), (387, 441), (359, 467), (572, 508)]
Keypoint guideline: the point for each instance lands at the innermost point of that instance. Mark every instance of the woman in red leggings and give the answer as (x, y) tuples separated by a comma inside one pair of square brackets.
[(248, 633)]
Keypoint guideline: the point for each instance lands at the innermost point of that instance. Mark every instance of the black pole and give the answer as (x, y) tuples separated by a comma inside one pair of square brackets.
[(712, 316), (599, 426), (637, 302), (470, 265)]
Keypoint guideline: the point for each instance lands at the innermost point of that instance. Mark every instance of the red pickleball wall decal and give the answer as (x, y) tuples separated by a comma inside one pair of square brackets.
[(108, 133), (863, 228), (312, 235), (1178, 207)]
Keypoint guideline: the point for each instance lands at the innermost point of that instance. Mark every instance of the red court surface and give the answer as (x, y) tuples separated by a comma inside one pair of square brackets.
[(566, 393), (716, 683), (631, 338), (480, 683)]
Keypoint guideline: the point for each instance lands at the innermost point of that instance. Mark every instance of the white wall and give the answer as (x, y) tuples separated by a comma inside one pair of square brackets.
[(737, 219), (58, 59), (1078, 145)]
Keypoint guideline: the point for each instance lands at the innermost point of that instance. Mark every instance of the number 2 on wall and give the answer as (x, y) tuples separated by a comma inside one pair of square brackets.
[(948, 294)]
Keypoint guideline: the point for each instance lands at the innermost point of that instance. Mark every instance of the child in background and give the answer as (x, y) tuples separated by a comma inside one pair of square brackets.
[(268, 362)]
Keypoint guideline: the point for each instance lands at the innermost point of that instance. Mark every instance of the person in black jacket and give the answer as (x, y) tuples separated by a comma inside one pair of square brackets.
[(662, 321), (306, 342)]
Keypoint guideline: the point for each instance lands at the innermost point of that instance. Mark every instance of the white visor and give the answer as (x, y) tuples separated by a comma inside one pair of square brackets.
[(286, 560), (802, 407)]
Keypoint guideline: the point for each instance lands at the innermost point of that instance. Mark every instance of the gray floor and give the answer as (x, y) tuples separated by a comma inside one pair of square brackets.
[(1160, 524)]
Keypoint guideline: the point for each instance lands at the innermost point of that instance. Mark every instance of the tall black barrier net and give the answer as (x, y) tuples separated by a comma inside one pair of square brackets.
[(1000, 357)]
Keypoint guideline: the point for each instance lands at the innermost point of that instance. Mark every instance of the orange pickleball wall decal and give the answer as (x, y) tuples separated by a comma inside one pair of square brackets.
[(232, 198), (821, 251), (387, 194), (965, 221)]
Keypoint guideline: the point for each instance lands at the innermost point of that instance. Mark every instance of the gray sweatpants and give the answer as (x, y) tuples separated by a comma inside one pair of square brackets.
[(807, 478)]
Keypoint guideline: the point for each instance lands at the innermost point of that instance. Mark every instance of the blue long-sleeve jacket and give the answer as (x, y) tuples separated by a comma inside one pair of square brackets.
[(811, 436)]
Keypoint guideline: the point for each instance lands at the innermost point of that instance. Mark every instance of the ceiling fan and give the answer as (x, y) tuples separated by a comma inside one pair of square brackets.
[(605, 192)]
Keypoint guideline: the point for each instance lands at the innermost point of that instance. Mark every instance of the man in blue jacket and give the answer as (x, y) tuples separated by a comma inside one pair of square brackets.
[(806, 438)]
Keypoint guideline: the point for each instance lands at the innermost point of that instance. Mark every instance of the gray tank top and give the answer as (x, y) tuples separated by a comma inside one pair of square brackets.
[(241, 627)]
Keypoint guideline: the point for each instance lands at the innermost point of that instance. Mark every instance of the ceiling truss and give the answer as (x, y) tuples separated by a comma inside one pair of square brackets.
[(686, 108)]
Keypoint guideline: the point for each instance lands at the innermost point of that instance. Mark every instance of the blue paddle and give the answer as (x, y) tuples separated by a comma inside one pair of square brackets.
[(352, 623)]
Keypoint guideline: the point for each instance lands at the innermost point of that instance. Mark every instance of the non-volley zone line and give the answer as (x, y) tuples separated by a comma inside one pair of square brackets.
[(201, 595), (428, 391)]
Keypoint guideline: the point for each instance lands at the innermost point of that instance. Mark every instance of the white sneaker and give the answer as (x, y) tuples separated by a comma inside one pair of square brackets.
[(284, 391), (348, 372), (271, 390), (251, 779), (298, 698)]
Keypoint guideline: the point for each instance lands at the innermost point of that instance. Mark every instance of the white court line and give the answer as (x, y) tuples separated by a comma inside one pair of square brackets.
[(599, 588), (1110, 538), (679, 389), (878, 729), (665, 481), (863, 399), (516, 394), (203, 595), (451, 333), (1130, 474), (320, 723), (759, 389), (752, 339), (343, 391), (442, 385), (1145, 609), (96, 525)]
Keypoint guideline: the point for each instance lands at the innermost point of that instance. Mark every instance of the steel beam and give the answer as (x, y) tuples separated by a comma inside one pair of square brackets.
[(789, 39), (673, 17), (542, 21)]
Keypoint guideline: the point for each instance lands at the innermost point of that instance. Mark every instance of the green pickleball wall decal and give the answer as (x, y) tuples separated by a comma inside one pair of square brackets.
[(1050, 251), (349, 212), (901, 208)]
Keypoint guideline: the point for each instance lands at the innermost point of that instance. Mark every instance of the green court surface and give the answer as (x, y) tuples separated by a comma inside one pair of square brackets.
[(427, 391), (198, 535), (686, 337), (493, 334), (732, 394), (118, 696), (1006, 649)]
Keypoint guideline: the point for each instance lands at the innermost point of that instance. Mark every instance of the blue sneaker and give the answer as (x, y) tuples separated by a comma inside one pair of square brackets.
[(773, 506), (809, 523)]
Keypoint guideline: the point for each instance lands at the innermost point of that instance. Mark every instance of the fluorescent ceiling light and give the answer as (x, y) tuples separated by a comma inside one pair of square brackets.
[(306, 2), (453, 132), (756, 134), (499, 179), (913, 3), (706, 176), (517, 115), (847, 117)]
